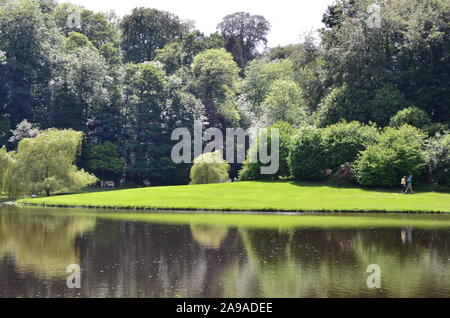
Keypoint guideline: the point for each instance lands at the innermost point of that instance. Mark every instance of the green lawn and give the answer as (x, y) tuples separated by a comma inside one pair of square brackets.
[(256, 196)]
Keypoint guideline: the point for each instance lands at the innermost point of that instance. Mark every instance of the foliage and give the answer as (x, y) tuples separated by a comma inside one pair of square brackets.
[(243, 33), (351, 103), (259, 77), (24, 130), (27, 38), (252, 170), (145, 30), (132, 81), (397, 153), (411, 116), (306, 155), (409, 51), (77, 40), (216, 75), (180, 54), (105, 161), (318, 152), (46, 164), (7, 164), (438, 159), (156, 106), (4, 129), (96, 26), (343, 142), (209, 168), (283, 103)]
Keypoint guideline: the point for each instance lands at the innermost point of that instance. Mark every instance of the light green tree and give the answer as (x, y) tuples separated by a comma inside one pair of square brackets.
[(209, 168), (260, 74), (283, 103), (45, 164), (6, 167), (216, 77)]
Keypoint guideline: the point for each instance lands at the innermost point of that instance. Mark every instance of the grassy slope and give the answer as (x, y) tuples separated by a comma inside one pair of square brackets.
[(256, 196)]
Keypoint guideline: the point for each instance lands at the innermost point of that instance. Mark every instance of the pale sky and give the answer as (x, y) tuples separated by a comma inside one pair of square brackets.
[(289, 18)]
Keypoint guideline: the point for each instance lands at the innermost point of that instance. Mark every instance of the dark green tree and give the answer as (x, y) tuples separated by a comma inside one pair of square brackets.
[(146, 30), (243, 34)]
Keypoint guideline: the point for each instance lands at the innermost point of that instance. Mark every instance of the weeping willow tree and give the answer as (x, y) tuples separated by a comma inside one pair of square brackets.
[(45, 164), (7, 163), (209, 168)]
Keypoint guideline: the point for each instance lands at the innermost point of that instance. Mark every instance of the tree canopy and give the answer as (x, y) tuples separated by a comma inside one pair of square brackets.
[(45, 164), (127, 82)]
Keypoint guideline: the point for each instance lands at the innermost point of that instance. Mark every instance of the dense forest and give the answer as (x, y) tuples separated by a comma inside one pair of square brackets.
[(350, 93)]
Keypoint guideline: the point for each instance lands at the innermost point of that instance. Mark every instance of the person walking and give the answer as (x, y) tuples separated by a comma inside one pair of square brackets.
[(409, 185), (403, 182)]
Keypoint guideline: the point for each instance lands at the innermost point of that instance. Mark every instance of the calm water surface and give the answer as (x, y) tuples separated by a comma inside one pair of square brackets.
[(127, 258)]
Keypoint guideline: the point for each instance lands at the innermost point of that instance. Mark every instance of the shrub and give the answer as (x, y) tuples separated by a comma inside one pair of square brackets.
[(344, 141), (398, 152), (252, 170), (209, 168), (438, 159), (411, 116), (306, 154)]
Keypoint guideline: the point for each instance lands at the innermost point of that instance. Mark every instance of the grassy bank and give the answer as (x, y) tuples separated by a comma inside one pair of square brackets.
[(256, 196)]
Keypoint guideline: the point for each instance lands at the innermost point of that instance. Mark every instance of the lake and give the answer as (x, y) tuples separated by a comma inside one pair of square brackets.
[(151, 254)]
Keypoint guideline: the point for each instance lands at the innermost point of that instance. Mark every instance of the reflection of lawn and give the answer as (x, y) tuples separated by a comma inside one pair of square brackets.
[(217, 222), (257, 196), (286, 221)]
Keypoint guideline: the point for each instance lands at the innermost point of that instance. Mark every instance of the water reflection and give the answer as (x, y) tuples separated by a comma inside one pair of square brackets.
[(209, 236), (126, 258)]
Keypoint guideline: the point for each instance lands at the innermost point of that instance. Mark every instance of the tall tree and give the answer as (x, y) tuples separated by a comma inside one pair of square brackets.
[(26, 38), (181, 53), (408, 50), (146, 30), (78, 89), (243, 34), (216, 76), (94, 25)]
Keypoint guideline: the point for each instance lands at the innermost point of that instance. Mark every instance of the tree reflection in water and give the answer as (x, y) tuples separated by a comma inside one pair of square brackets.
[(126, 258)]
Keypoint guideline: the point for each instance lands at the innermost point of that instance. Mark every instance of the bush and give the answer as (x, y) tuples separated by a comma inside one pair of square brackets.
[(306, 154), (398, 152), (344, 141), (438, 159), (209, 168), (411, 116), (252, 171)]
